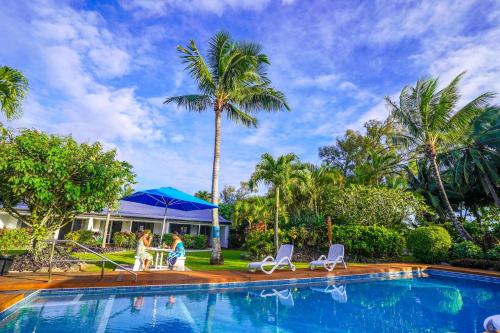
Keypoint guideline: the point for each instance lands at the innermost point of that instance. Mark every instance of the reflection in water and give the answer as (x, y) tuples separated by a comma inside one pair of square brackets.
[(411, 305), (338, 292)]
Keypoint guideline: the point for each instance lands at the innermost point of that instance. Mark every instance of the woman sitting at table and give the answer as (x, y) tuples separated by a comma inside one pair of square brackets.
[(143, 242), (178, 250)]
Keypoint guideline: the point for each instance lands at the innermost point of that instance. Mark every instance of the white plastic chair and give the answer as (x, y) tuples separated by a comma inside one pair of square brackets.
[(283, 259), (335, 256)]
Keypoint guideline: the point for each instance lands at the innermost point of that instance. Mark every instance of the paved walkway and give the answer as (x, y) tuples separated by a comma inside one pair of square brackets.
[(32, 281)]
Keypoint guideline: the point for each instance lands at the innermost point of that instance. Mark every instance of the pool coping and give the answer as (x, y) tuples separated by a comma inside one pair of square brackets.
[(215, 286)]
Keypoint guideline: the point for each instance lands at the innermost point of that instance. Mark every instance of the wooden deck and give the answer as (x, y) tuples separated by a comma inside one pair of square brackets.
[(33, 281)]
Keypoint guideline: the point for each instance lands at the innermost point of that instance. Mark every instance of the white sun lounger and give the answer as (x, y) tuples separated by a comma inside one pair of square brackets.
[(283, 259), (338, 292), (335, 256), (284, 296)]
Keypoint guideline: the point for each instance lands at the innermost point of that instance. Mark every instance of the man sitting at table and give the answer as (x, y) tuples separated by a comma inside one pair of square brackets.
[(178, 250)]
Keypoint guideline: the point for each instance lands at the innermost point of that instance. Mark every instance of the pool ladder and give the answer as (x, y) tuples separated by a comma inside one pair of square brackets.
[(103, 261)]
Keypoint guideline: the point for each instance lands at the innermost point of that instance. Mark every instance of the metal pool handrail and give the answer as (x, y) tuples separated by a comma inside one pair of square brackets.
[(104, 259)]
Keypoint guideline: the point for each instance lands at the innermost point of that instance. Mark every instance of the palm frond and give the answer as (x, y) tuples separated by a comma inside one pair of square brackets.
[(448, 98), (463, 117), (262, 97), (13, 90), (197, 67), (240, 117), (195, 103)]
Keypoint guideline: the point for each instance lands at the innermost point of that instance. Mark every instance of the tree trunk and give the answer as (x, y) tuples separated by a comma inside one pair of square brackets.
[(216, 258), (492, 190), (106, 226), (444, 198), (276, 218), (329, 229)]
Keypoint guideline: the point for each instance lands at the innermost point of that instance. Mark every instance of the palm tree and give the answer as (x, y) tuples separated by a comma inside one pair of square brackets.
[(205, 195), (232, 80), (278, 173), (317, 179), (479, 162), (428, 122), (13, 89)]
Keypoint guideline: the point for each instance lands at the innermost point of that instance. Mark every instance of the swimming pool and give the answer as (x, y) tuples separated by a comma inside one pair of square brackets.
[(436, 303)]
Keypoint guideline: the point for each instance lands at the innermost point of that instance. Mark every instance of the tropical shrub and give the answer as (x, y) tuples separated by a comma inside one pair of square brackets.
[(493, 254), (125, 239), (368, 241), (429, 244), (14, 239), (465, 249), (198, 242), (195, 242), (370, 205), (260, 243), (167, 239), (85, 237)]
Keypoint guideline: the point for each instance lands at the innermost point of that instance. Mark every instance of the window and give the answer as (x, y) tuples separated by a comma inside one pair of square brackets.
[(181, 229), (139, 226), (206, 230)]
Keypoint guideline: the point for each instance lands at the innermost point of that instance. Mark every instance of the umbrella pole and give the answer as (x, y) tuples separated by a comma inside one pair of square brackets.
[(163, 225)]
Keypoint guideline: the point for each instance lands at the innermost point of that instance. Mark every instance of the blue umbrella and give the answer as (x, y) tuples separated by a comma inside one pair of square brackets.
[(169, 197)]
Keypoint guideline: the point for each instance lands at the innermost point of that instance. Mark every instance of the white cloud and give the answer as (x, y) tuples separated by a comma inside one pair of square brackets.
[(163, 7), (74, 50), (320, 81)]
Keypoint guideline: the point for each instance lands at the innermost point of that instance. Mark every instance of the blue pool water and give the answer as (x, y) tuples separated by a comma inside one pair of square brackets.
[(422, 304)]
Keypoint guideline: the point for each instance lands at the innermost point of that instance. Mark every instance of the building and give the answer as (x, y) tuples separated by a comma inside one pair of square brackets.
[(132, 217)]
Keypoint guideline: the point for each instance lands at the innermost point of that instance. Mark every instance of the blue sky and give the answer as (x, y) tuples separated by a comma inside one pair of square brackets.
[(99, 70)]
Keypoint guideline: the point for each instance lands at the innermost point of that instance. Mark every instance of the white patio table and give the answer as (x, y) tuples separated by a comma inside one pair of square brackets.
[(159, 256)]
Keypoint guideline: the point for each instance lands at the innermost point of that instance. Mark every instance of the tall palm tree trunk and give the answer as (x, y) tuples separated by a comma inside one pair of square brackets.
[(276, 218), (492, 190), (216, 258), (444, 198)]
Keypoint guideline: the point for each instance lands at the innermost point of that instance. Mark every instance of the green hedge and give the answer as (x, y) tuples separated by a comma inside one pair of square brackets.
[(125, 239), (494, 253), (14, 239), (429, 244), (466, 250), (369, 241), (372, 242), (199, 242)]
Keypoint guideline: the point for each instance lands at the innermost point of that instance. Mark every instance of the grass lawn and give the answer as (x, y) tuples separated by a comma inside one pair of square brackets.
[(196, 261)]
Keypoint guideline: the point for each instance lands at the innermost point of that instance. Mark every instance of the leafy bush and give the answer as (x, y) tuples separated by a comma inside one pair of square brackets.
[(260, 244), (370, 205), (368, 241), (167, 239), (84, 237), (190, 241), (493, 254), (125, 239), (429, 244), (477, 263), (14, 239), (466, 249)]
